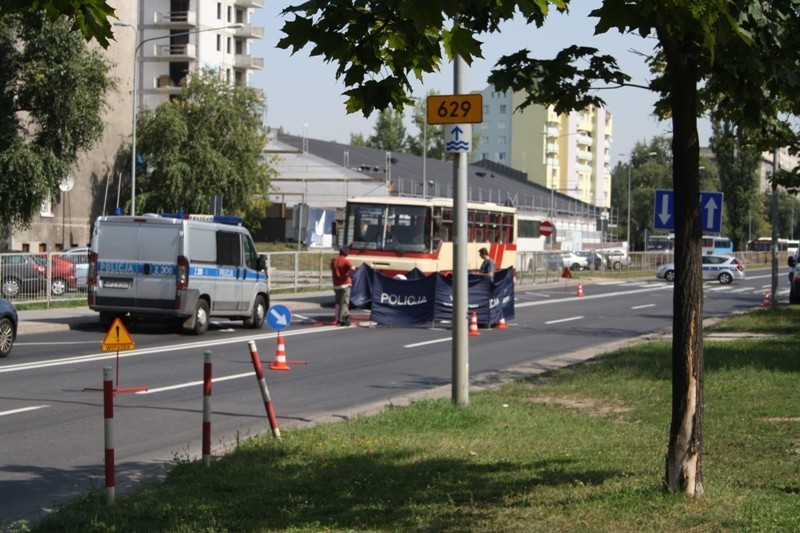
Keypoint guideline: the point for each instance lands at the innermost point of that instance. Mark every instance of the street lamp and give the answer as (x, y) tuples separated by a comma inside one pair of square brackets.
[(135, 88), (424, 147)]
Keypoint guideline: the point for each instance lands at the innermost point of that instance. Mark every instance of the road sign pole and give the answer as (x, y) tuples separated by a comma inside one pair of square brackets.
[(460, 392)]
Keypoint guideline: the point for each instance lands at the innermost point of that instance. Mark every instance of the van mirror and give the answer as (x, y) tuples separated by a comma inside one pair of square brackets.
[(263, 263)]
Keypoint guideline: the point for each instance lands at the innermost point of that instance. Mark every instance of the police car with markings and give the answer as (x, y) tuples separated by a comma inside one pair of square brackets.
[(186, 268), (723, 268)]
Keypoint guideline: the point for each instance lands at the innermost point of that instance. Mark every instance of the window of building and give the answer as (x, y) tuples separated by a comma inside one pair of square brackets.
[(484, 140), (219, 43), (228, 46), (501, 156), (47, 208), (503, 108), (501, 140), (219, 11), (501, 125), (230, 15), (485, 110)]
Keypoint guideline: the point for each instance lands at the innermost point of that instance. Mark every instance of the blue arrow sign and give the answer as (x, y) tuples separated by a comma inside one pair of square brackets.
[(710, 211), (279, 317)]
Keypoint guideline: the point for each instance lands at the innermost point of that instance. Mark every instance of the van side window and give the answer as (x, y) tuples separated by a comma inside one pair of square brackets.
[(229, 249), (250, 253)]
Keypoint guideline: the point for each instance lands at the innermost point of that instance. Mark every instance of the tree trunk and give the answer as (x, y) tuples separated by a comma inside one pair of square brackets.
[(684, 466)]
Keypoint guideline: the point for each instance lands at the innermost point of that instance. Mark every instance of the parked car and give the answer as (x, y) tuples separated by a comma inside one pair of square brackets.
[(62, 276), (8, 327), (20, 274), (594, 260), (616, 259), (80, 258), (723, 268), (568, 259)]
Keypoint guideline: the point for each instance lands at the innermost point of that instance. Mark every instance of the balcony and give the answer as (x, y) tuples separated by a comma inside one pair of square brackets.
[(175, 19), (552, 148), (248, 3), (176, 52), (248, 62), (584, 155), (248, 31)]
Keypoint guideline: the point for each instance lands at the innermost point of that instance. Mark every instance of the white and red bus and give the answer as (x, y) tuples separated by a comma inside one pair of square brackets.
[(397, 234)]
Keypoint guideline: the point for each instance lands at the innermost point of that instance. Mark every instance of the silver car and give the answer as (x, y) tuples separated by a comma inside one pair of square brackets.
[(80, 258), (723, 268)]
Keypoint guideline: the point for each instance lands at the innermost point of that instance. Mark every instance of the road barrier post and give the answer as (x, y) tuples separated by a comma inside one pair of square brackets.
[(262, 384), (207, 408), (108, 429)]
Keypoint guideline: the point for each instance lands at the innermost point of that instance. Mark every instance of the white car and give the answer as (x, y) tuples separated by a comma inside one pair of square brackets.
[(723, 268), (570, 260)]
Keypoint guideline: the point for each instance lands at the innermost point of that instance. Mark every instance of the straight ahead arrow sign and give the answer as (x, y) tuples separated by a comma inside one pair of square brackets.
[(710, 211)]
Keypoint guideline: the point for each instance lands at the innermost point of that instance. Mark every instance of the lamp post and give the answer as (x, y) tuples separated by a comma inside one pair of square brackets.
[(135, 90), (630, 171)]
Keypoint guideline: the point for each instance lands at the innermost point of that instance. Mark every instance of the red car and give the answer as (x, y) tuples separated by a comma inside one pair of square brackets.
[(63, 274)]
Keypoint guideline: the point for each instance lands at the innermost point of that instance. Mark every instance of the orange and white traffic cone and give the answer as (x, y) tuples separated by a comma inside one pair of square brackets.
[(280, 357), (767, 302), (580, 289), (502, 323), (473, 325)]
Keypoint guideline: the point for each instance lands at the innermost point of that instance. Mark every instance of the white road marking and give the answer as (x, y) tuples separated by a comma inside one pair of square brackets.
[(196, 383), (22, 410), (415, 345), (564, 320), (643, 306)]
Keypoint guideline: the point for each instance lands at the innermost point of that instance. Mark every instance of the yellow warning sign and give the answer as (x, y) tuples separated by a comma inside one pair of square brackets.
[(118, 339)]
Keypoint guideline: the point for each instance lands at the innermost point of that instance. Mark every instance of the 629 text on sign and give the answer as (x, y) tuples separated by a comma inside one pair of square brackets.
[(455, 109)]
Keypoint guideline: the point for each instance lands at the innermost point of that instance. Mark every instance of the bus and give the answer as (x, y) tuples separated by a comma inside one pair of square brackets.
[(660, 243), (714, 245), (764, 244), (397, 234)]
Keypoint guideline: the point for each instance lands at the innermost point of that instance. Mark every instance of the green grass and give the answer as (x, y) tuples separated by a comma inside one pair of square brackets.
[(580, 448)]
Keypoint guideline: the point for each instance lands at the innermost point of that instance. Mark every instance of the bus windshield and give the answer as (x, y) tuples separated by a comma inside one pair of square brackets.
[(388, 227)]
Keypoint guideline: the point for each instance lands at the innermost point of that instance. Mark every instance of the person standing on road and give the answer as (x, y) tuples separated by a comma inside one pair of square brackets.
[(341, 269), (487, 267)]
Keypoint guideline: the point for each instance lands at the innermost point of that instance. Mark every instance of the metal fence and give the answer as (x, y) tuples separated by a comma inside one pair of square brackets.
[(26, 276)]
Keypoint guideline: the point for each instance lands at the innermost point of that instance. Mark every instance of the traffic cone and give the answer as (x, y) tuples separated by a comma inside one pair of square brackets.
[(502, 323), (473, 325), (280, 357), (580, 289), (766, 303)]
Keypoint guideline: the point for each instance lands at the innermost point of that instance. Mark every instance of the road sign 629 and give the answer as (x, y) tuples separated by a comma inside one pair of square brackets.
[(455, 109)]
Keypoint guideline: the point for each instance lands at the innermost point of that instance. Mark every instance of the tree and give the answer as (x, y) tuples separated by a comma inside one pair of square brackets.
[(207, 142), (51, 102), (90, 17), (357, 139), (744, 51), (390, 133), (430, 134), (737, 160)]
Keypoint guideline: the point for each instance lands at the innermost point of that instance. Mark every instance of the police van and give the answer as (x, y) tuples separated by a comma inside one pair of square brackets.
[(186, 268)]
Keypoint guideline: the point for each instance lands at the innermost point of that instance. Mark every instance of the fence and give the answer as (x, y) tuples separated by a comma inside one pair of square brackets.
[(26, 276)]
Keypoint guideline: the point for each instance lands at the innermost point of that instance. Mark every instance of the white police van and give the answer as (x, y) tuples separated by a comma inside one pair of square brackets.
[(176, 267)]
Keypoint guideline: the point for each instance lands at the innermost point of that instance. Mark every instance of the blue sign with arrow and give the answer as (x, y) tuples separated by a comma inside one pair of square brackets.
[(710, 211), (458, 138), (279, 317)]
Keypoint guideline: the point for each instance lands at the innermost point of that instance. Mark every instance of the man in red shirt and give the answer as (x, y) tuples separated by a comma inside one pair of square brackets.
[(341, 268)]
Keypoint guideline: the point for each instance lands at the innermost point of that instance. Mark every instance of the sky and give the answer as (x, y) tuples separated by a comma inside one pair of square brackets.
[(303, 95)]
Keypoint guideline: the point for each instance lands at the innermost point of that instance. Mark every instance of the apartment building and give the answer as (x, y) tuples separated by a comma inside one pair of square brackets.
[(568, 153), (170, 39)]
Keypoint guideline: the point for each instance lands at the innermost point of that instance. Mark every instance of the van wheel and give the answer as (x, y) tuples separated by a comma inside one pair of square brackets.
[(259, 314), (201, 318)]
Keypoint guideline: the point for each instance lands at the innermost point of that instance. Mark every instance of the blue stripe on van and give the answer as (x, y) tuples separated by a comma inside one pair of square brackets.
[(136, 268)]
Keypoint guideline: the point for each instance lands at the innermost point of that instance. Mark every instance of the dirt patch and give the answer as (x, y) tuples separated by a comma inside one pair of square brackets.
[(585, 405)]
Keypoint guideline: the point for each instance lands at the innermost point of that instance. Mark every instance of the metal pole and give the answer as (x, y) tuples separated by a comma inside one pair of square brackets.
[(425, 153), (460, 294), (629, 207), (773, 294)]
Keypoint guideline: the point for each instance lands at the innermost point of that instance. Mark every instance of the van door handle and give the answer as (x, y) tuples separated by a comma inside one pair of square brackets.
[(147, 269)]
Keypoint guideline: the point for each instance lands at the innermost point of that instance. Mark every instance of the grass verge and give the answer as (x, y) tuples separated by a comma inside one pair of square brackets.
[(580, 448)]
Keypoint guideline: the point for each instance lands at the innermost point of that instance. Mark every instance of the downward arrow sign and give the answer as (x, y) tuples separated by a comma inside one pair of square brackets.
[(664, 215)]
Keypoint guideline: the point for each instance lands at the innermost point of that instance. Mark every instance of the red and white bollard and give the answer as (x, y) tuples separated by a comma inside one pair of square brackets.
[(108, 430), (207, 408), (262, 384)]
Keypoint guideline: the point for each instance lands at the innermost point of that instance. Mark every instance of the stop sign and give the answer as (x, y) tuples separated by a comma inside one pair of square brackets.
[(545, 228)]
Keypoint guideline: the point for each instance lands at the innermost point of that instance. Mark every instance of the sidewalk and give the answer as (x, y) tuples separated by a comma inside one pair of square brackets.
[(67, 318)]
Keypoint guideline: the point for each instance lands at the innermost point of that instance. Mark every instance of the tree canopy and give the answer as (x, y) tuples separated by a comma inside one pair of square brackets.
[(51, 102), (89, 17), (207, 142)]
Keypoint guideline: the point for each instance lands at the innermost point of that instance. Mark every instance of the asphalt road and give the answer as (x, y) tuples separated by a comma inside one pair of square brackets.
[(52, 438)]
